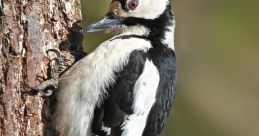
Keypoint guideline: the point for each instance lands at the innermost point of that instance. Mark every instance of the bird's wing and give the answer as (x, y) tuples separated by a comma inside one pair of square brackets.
[(123, 89), (144, 95), (119, 104)]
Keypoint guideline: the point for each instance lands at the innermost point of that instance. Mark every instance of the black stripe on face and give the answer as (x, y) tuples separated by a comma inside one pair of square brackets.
[(157, 26), (130, 36), (123, 4)]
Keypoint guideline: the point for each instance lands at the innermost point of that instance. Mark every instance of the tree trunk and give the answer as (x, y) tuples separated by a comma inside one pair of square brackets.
[(28, 29)]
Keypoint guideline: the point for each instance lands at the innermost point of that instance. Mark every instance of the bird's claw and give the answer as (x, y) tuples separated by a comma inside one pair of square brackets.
[(48, 86)]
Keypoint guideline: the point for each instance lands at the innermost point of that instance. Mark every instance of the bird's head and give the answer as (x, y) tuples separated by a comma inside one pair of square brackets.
[(134, 16)]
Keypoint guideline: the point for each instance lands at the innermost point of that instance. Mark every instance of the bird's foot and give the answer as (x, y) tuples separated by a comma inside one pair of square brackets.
[(50, 85)]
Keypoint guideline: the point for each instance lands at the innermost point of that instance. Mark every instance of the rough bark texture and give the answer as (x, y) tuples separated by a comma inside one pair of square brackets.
[(28, 29)]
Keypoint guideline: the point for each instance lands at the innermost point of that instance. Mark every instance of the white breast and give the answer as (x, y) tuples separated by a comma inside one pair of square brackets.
[(82, 87)]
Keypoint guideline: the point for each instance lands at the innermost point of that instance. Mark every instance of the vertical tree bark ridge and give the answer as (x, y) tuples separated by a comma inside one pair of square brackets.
[(28, 30)]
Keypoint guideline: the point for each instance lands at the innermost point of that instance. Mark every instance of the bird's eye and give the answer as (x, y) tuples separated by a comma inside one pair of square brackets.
[(133, 4)]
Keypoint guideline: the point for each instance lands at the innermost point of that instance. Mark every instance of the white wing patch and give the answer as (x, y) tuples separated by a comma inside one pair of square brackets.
[(144, 98), (169, 36), (106, 129)]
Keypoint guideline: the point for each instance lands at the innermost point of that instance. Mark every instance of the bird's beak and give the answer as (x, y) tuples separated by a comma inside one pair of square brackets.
[(111, 20)]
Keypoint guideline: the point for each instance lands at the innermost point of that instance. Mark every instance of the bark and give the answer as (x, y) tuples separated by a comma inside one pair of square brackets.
[(28, 29)]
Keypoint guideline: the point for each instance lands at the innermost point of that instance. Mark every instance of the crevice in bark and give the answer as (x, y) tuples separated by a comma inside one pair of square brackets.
[(28, 29)]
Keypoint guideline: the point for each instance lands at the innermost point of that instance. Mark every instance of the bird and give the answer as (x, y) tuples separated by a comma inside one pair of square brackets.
[(127, 85)]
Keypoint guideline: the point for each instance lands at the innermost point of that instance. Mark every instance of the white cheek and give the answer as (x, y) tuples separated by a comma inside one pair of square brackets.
[(149, 9)]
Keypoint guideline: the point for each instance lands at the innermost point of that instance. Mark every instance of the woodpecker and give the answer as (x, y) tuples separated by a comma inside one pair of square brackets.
[(127, 84)]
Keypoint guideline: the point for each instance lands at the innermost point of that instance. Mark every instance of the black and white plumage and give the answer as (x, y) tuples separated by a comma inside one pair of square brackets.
[(127, 84)]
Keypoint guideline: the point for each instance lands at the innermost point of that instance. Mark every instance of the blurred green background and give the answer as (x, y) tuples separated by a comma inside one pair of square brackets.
[(217, 48)]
